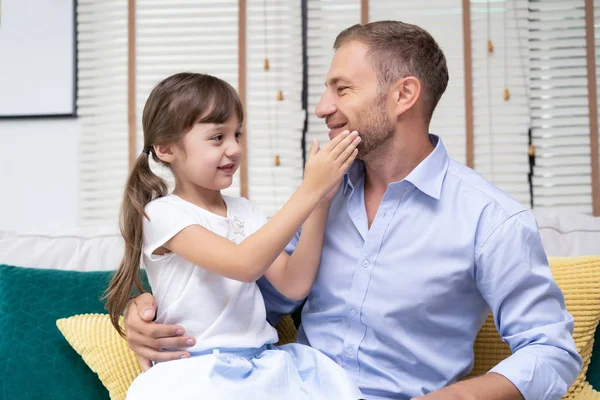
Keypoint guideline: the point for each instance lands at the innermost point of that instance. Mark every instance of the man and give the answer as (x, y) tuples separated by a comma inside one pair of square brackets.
[(418, 248)]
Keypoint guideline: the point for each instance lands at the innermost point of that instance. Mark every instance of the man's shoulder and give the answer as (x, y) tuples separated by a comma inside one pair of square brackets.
[(477, 191)]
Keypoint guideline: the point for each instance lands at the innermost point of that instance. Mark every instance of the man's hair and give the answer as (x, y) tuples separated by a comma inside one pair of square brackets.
[(398, 50)]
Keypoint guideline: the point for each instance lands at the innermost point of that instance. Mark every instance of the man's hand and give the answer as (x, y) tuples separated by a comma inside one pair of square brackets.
[(447, 393), (491, 386), (146, 338)]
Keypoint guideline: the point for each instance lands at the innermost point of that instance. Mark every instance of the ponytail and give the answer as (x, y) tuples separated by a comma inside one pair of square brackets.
[(142, 187)]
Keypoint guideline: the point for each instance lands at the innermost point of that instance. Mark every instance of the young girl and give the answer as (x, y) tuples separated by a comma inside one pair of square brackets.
[(204, 251)]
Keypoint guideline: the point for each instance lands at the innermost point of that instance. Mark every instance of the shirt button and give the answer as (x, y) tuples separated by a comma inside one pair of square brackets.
[(353, 312), (350, 350), (365, 263)]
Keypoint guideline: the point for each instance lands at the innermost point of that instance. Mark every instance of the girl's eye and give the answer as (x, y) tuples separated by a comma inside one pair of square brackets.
[(217, 138), (238, 136)]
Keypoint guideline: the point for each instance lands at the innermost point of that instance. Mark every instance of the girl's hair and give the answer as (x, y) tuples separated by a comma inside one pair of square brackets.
[(172, 109)]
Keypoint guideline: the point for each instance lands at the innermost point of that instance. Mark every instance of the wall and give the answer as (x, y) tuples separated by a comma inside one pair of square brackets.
[(38, 174)]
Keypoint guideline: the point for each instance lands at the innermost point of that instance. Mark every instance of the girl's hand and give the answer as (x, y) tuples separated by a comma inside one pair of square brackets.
[(325, 167), (331, 194)]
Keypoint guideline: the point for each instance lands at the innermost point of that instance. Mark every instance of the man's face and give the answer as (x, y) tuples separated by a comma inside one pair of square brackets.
[(352, 99)]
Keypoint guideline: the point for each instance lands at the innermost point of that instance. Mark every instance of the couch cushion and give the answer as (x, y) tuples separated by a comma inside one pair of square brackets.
[(83, 249), (37, 362), (593, 374), (566, 235)]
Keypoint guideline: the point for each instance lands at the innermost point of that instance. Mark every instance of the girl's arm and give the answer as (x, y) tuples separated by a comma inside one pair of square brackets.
[(293, 276), (249, 260)]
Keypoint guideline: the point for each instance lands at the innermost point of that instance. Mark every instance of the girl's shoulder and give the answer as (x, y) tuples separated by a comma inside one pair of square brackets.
[(169, 207), (164, 202)]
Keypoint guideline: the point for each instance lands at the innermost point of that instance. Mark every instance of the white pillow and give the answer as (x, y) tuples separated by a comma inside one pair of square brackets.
[(83, 249), (564, 234), (101, 248)]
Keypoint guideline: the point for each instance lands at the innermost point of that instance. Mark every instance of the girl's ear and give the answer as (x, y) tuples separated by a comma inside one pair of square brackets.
[(164, 152)]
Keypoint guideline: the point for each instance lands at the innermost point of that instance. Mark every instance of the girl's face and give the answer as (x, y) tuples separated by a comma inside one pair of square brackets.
[(209, 154)]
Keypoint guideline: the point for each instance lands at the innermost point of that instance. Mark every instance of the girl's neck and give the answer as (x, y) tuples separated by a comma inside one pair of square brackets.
[(210, 200)]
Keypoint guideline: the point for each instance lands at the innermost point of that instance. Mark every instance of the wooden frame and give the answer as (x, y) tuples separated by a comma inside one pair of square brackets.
[(468, 54), (131, 82), (593, 104), (242, 92), (364, 12)]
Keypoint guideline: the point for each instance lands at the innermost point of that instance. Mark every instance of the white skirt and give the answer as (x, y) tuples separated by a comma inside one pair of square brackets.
[(289, 372)]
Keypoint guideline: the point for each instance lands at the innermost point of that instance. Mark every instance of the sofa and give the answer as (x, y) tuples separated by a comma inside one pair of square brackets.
[(56, 342)]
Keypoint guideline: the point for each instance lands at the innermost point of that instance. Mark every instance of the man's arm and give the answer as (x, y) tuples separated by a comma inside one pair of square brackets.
[(514, 277)]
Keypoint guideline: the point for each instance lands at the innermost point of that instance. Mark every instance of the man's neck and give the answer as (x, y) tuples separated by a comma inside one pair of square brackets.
[(394, 160)]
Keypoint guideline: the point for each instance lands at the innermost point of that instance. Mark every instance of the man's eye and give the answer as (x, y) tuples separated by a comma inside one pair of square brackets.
[(341, 89)]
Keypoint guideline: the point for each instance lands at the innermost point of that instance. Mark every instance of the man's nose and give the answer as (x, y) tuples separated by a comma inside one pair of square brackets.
[(325, 106)]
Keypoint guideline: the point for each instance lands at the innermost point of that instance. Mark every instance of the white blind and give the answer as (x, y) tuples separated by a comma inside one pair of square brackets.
[(559, 103), (102, 108), (195, 36), (443, 20), (274, 32), (184, 36), (326, 19), (501, 126)]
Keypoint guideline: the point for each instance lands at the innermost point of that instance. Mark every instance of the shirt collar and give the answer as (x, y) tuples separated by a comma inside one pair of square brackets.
[(428, 176), (353, 176)]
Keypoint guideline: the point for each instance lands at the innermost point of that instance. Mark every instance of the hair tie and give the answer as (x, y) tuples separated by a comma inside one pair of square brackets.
[(147, 150)]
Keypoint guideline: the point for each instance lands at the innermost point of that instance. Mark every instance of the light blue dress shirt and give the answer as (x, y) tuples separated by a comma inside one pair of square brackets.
[(399, 305)]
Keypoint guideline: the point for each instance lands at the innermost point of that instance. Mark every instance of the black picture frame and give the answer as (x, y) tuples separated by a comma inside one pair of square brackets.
[(73, 113)]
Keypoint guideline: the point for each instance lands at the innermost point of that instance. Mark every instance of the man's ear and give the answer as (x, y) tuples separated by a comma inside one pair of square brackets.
[(404, 94), (164, 152)]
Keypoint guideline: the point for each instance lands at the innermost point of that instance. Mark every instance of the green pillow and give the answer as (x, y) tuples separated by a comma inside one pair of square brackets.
[(593, 372), (37, 362)]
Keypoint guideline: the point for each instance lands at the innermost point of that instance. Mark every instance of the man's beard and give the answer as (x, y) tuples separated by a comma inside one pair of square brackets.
[(373, 127)]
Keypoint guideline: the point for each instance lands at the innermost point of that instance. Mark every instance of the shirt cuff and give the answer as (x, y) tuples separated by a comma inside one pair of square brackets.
[(276, 304), (535, 379)]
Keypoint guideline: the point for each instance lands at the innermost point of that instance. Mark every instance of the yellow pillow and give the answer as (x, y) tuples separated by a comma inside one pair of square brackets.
[(106, 353), (286, 330), (579, 280)]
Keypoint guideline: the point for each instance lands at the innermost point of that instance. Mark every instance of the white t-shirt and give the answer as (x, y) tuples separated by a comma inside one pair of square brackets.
[(220, 312)]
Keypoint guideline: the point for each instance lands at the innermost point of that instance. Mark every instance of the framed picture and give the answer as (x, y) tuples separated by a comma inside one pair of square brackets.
[(38, 53)]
